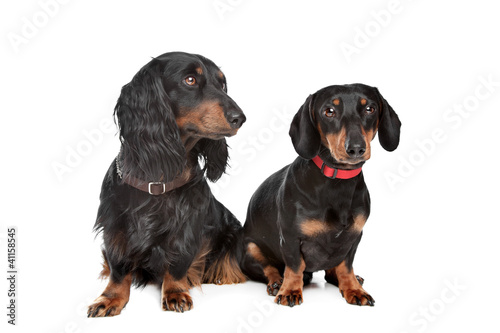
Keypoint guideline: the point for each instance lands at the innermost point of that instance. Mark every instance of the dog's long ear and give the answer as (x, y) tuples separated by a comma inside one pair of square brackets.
[(151, 146), (215, 156), (304, 134), (389, 126)]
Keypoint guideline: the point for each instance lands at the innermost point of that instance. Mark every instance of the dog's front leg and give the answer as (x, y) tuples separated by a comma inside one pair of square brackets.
[(175, 294), (185, 273), (290, 292), (113, 299), (350, 285)]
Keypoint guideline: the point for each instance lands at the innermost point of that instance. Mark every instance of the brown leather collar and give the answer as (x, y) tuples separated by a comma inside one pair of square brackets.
[(154, 188)]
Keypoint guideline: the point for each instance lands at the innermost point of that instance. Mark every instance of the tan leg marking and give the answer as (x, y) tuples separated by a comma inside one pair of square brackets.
[(350, 287), (175, 294), (274, 279), (112, 300), (290, 292)]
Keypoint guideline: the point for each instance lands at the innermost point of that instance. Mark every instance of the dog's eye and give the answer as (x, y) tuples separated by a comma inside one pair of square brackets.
[(190, 80), (369, 110), (224, 86), (330, 112)]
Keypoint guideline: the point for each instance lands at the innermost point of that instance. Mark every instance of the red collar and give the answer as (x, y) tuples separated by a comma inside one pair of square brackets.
[(335, 173)]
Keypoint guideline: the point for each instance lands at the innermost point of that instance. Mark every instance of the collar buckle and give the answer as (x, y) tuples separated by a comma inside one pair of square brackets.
[(156, 190), (334, 171)]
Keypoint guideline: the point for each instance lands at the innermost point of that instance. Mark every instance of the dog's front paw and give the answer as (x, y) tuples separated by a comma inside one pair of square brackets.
[(357, 297), (177, 301), (289, 297), (106, 307)]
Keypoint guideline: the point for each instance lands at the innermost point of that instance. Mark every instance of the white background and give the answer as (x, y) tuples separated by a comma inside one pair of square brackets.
[(430, 249)]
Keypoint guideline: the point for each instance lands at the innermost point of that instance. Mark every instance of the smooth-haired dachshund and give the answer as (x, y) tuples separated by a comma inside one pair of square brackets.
[(159, 221), (309, 215)]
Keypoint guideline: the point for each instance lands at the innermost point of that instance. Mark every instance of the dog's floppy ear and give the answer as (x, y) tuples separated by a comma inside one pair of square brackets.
[(304, 134), (389, 126), (214, 154), (151, 145)]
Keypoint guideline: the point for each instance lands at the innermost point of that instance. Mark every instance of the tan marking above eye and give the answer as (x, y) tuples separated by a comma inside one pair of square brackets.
[(363, 101), (199, 70), (336, 101)]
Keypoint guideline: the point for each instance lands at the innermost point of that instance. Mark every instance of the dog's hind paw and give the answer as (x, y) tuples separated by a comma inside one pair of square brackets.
[(273, 287)]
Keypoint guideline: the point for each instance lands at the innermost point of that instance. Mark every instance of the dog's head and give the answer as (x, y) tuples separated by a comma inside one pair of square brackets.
[(176, 105), (197, 90), (344, 120)]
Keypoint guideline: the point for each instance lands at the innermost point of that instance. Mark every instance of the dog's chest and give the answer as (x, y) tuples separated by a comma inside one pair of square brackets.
[(325, 243), (164, 229)]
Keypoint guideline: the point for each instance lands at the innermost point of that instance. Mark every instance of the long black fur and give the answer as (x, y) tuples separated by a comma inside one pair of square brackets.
[(146, 235)]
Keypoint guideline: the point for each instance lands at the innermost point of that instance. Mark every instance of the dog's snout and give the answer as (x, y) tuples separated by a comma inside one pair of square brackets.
[(235, 118), (355, 149)]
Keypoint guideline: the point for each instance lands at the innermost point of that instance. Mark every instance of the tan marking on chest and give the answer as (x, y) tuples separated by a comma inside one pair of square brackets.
[(314, 227), (359, 222)]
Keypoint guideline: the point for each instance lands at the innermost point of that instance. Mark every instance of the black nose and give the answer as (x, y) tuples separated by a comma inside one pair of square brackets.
[(235, 118), (355, 150)]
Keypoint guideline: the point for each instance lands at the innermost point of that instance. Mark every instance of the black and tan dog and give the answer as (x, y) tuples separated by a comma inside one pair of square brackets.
[(309, 215), (159, 220)]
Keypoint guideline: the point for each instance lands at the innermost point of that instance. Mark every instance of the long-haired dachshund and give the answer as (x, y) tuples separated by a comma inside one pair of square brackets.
[(159, 221), (309, 215)]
